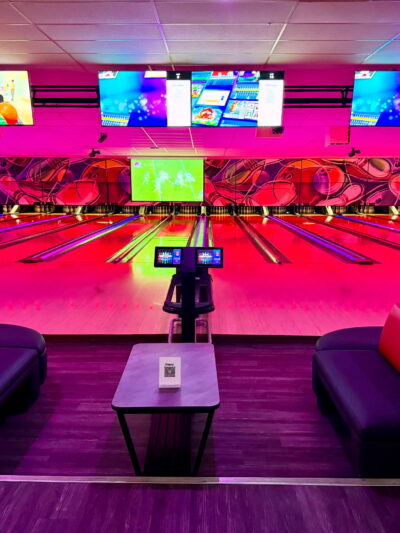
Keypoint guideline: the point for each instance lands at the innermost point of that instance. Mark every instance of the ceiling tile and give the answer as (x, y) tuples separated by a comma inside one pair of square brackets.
[(223, 12), (113, 47), (123, 59), (220, 47), (343, 32), (320, 59), (87, 12), (36, 59), (373, 12), (205, 58), (8, 15), (222, 32), (21, 32), (29, 47), (325, 47), (105, 32)]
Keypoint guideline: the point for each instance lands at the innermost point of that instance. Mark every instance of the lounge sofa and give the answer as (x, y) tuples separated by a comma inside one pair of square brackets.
[(23, 367), (356, 374)]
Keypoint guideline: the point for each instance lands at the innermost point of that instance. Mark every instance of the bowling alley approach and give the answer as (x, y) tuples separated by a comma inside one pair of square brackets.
[(200, 266)]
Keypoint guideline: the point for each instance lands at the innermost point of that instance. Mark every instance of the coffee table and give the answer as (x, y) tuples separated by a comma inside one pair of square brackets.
[(138, 391)]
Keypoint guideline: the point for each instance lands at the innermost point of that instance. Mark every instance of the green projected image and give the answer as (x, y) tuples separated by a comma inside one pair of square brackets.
[(167, 180)]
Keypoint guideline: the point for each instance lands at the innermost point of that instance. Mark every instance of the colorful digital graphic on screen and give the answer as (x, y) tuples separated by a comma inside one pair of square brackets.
[(210, 257), (165, 257), (237, 98), (376, 98), (146, 98), (15, 98), (131, 98), (167, 180)]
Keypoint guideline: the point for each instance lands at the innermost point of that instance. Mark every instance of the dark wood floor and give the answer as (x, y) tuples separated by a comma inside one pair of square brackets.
[(267, 425), (98, 508)]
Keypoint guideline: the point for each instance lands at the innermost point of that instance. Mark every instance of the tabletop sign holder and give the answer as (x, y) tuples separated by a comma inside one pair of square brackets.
[(169, 373)]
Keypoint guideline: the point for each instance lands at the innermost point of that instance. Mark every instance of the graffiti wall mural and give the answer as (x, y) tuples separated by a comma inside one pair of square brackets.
[(312, 181)]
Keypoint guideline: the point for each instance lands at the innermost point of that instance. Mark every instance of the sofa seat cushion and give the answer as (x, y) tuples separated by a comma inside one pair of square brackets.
[(21, 337), (363, 338), (15, 365), (365, 388)]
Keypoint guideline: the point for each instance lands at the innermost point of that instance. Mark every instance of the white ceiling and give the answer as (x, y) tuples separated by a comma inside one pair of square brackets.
[(85, 34)]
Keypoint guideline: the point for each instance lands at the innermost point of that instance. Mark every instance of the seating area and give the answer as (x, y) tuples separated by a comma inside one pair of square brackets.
[(356, 375), (23, 367)]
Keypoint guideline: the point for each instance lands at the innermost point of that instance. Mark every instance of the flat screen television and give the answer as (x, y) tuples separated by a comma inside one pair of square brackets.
[(145, 98), (15, 98), (237, 98), (167, 180), (376, 98)]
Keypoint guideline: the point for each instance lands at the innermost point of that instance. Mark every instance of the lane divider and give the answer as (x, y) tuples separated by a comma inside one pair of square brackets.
[(368, 223), (378, 240), (128, 252), (35, 223), (345, 254), (19, 240), (65, 247), (268, 250)]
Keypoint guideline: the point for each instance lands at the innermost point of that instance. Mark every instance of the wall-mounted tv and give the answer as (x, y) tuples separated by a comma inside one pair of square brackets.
[(237, 98), (376, 98), (203, 98), (15, 98), (144, 98), (167, 180)]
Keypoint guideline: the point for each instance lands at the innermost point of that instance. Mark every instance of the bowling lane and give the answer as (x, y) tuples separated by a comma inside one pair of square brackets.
[(24, 231), (365, 229), (101, 249), (384, 222), (33, 246), (8, 217), (18, 220), (296, 249), (176, 233), (380, 253), (237, 245)]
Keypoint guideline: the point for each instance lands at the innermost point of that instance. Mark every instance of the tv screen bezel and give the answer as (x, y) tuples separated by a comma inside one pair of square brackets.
[(31, 100), (154, 202)]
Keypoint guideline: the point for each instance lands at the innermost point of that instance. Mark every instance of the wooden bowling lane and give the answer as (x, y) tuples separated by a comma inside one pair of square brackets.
[(296, 249), (14, 217), (387, 227), (385, 234), (18, 252), (21, 234), (15, 221), (176, 233), (358, 243), (103, 247), (238, 248)]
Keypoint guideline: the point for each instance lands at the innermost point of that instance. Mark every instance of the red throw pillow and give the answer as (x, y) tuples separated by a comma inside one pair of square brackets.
[(389, 343)]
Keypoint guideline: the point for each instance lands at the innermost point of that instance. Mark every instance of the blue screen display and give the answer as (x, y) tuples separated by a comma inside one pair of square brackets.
[(376, 99), (210, 257), (168, 257), (132, 98)]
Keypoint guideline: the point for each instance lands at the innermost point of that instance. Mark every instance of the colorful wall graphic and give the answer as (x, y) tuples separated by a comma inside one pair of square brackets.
[(312, 181)]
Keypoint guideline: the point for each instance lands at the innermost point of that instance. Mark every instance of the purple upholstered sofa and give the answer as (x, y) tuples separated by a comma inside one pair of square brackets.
[(352, 378), (23, 367)]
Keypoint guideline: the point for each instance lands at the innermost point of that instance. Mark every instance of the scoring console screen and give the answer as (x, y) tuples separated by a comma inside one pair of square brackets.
[(168, 257), (209, 257)]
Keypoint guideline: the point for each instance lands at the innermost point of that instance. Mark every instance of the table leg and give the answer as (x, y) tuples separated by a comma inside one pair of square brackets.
[(129, 443), (203, 443)]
